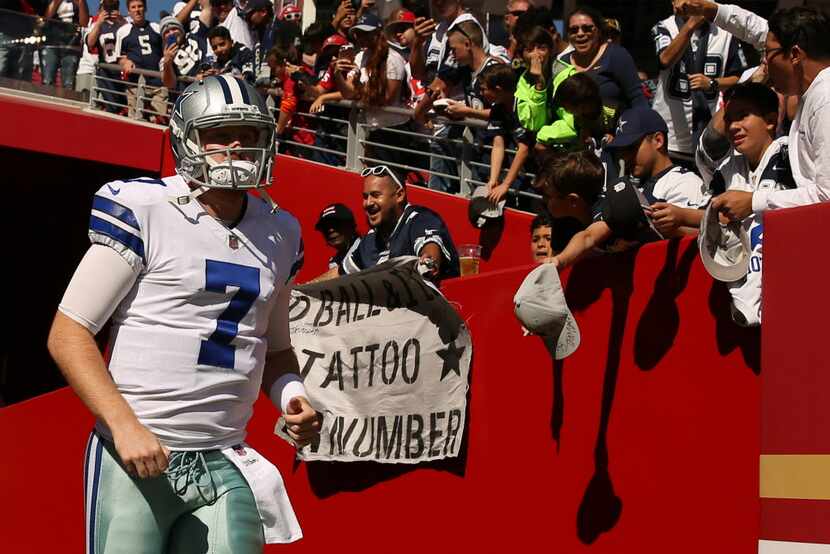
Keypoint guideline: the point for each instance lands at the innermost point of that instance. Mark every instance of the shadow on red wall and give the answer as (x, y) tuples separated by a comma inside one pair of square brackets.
[(645, 440)]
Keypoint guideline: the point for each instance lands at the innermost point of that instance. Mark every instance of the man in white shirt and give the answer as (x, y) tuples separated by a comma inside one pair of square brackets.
[(240, 31), (796, 48)]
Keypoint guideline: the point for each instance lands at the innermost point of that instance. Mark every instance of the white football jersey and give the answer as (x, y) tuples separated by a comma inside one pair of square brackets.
[(733, 173), (673, 98), (188, 341)]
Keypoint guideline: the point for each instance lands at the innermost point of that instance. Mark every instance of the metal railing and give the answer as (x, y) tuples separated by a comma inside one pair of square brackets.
[(109, 85), (337, 141), (354, 136)]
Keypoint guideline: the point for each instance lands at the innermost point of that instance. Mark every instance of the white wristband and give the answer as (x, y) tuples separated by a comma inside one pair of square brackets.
[(285, 388)]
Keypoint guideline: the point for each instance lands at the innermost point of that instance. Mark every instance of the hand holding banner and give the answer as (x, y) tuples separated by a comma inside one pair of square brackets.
[(386, 360)]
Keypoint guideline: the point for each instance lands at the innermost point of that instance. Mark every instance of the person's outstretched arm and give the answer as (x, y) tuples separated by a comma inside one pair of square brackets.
[(581, 243)]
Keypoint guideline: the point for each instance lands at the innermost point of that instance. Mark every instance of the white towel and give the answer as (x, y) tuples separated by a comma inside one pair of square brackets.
[(279, 523)]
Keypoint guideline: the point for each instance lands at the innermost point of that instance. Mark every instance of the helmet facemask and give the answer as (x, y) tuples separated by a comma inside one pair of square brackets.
[(239, 168), (219, 102)]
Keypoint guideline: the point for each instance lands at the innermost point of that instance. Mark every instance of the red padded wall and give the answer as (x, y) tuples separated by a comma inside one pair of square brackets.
[(68, 131), (645, 441), (658, 408), (795, 419)]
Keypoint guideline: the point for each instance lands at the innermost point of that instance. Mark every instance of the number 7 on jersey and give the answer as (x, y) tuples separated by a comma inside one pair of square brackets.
[(217, 350)]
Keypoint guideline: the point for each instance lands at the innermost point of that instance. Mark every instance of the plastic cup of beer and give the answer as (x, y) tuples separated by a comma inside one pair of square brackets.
[(469, 256)]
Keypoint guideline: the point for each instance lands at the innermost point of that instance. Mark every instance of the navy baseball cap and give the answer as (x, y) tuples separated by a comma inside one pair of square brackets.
[(335, 212), (636, 123), (367, 23)]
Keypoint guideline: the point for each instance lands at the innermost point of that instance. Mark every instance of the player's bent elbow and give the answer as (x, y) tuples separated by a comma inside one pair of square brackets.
[(66, 330), (58, 333)]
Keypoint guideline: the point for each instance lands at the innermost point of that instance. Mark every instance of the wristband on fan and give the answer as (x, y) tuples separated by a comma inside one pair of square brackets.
[(285, 388)]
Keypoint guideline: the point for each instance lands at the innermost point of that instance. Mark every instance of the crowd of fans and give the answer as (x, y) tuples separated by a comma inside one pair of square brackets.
[(562, 101)]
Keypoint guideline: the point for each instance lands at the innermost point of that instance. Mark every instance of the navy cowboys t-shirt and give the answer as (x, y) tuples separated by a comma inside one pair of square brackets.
[(240, 63), (142, 46), (417, 227), (106, 41), (190, 55), (505, 123)]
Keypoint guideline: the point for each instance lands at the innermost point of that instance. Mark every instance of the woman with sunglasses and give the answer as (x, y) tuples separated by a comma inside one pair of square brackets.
[(610, 65)]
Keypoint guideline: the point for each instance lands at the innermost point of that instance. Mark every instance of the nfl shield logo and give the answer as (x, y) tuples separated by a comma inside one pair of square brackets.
[(233, 242)]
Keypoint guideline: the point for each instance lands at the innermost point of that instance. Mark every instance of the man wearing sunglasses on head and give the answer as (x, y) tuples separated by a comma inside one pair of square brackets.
[(796, 47), (398, 228)]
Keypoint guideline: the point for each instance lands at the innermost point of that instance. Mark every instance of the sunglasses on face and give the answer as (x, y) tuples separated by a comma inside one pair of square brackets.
[(379, 170), (587, 29), (293, 16)]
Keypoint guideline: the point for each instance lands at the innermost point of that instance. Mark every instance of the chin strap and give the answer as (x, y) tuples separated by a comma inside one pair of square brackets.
[(186, 198), (264, 194)]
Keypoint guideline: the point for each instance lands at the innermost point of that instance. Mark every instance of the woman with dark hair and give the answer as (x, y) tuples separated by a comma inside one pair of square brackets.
[(375, 79), (610, 65)]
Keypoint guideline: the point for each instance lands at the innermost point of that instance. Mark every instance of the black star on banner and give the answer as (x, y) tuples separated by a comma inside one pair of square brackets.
[(452, 358)]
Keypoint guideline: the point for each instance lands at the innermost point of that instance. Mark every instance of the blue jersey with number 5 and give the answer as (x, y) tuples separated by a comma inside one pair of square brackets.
[(189, 339)]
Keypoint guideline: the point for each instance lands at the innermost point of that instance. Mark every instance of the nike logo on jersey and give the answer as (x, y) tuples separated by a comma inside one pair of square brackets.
[(113, 191)]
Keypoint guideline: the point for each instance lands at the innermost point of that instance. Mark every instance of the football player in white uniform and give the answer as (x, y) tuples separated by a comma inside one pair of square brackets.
[(195, 274)]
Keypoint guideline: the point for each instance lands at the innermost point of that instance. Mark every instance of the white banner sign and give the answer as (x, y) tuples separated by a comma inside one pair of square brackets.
[(385, 359)]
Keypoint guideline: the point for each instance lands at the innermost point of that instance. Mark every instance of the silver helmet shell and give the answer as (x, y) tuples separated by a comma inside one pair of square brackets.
[(219, 101)]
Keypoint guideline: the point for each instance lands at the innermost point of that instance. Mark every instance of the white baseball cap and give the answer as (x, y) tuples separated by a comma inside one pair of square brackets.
[(724, 249), (540, 305)]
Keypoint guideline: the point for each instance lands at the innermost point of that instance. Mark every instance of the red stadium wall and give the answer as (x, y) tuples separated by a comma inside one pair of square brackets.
[(646, 440), (795, 418)]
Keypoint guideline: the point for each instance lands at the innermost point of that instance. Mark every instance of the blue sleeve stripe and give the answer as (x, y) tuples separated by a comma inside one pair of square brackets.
[(101, 226), (150, 181), (120, 212)]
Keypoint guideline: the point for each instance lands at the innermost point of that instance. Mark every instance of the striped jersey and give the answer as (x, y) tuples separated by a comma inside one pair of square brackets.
[(193, 53), (673, 99), (188, 341), (733, 173)]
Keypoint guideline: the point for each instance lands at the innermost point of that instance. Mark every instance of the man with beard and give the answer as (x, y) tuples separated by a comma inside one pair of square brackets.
[(398, 228)]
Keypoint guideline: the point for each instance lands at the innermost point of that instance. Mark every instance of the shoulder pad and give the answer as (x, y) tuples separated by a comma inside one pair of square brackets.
[(142, 191)]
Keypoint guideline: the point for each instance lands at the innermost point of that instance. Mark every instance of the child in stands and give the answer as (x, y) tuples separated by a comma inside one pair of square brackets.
[(498, 87)]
